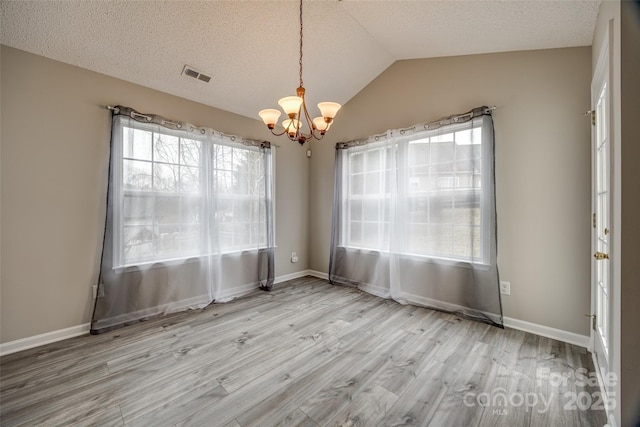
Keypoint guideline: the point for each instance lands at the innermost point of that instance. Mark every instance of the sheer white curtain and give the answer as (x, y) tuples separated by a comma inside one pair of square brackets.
[(414, 216), (189, 219)]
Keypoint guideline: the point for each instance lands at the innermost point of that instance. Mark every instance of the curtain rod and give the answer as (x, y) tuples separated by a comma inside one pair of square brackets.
[(450, 119), (134, 114), (430, 126)]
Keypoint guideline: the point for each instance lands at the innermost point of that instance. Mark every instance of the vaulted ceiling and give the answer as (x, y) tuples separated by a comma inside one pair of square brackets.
[(250, 48)]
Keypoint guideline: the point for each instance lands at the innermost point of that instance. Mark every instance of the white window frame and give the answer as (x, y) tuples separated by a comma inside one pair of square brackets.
[(119, 193), (401, 146)]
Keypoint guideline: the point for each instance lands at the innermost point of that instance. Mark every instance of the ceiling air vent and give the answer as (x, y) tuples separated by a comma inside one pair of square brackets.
[(192, 72)]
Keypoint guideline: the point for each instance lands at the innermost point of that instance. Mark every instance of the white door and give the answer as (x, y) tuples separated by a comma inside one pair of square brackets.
[(601, 232)]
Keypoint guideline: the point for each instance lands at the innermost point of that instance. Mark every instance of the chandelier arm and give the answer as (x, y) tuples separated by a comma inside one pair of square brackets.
[(309, 121), (278, 134)]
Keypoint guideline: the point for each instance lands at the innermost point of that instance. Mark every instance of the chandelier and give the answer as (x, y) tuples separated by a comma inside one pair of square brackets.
[(296, 110)]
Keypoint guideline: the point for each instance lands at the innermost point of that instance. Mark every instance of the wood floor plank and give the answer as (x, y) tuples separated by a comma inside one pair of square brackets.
[(273, 382), (75, 405), (474, 376), (305, 354), (108, 418), (504, 408), (175, 409), (417, 405), (367, 409), (345, 385), (297, 419), (267, 411)]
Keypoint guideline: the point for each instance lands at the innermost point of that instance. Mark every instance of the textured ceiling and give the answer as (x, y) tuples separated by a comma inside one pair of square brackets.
[(250, 48)]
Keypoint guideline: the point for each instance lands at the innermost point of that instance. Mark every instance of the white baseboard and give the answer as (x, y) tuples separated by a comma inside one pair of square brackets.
[(509, 322), (546, 331), (291, 276), (302, 273), (42, 339), (74, 331), (318, 274)]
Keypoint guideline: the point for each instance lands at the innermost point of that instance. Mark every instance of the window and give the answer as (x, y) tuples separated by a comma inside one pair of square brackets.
[(173, 190), (431, 185), (369, 182), (239, 185)]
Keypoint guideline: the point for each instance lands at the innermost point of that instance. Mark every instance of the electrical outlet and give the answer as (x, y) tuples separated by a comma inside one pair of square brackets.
[(294, 257), (505, 288), (95, 291)]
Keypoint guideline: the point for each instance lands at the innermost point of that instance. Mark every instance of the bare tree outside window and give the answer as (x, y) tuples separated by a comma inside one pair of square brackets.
[(163, 205)]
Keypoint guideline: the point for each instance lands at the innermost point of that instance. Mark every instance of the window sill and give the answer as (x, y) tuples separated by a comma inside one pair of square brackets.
[(477, 265)]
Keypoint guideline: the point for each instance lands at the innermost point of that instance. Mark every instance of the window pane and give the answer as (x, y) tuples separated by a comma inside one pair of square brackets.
[(469, 137), (446, 138), (169, 241), (357, 162), (190, 152), (226, 236), (190, 210), (241, 160), (189, 179), (136, 175), (418, 238), (372, 183), (467, 210), (440, 210), (240, 183), (355, 233), (372, 162), (419, 154), (242, 211), (241, 234), (223, 157), (370, 210), (371, 235), (138, 210), (167, 210), (190, 239), (165, 177), (357, 184), (466, 242), (136, 144), (137, 243), (166, 149), (224, 210), (440, 240), (223, 182), (419, 210), (356, 209)]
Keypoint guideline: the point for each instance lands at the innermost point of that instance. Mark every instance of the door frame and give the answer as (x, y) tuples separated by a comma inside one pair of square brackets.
[(604, 66)]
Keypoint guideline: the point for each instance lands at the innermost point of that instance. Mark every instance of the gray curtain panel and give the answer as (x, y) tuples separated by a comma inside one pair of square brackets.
[(414, 216), (189, 219)]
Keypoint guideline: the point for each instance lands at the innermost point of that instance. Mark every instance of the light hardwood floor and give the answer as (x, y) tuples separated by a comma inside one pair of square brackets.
[(305, 354)]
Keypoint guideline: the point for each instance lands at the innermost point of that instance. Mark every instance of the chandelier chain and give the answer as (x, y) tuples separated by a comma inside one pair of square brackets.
[(301, 85), (295, 107)]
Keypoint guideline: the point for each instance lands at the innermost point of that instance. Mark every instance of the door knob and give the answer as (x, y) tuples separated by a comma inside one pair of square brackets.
[(600, 256)]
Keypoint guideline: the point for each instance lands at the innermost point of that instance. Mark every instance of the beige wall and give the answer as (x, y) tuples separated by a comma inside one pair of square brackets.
[(55, 145), (543, 165)]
